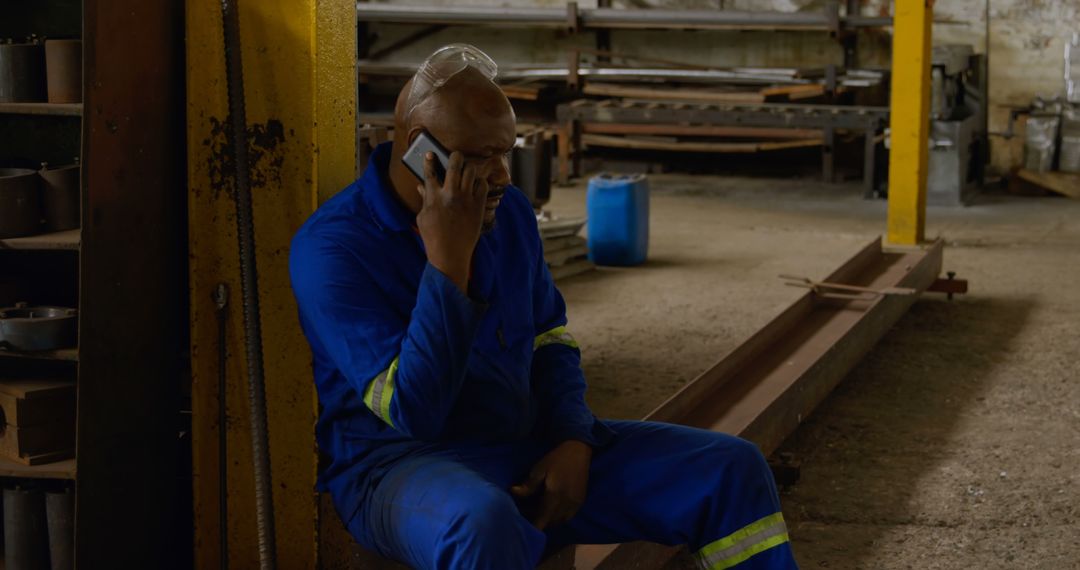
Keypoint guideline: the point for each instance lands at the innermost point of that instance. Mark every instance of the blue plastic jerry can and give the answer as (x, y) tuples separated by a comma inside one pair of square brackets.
[(618, 212)]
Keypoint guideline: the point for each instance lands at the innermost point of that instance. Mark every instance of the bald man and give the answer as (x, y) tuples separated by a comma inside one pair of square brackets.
[(453, 413)]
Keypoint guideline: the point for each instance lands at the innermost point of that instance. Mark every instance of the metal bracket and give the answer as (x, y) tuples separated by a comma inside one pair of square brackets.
[(573, 18), (950, 285), (832, 18)]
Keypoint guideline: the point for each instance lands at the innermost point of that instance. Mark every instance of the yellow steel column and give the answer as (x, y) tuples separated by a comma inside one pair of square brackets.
[(910, 121), (299, 61)]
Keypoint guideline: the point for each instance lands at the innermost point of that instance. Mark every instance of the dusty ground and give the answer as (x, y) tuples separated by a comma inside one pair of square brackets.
[(954, 444)]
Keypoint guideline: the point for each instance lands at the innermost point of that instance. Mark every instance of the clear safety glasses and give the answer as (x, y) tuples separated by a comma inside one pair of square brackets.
[(444, 64)]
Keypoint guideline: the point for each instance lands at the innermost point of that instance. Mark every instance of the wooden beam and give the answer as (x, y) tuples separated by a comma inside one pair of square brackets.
[(909, 121), (686, 146), (690, 95), (1064, 183)]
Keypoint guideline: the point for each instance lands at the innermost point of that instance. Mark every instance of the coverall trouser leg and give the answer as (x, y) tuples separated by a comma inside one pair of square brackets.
[(655, 482)]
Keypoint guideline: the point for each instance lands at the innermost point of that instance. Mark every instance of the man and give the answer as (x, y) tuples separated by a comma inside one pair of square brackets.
[(453, 410)]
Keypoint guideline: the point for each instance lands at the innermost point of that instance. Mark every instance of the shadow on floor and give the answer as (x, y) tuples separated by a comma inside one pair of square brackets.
[(889, 424)]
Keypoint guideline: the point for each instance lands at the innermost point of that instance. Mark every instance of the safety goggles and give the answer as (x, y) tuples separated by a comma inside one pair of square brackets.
[(444, 64)]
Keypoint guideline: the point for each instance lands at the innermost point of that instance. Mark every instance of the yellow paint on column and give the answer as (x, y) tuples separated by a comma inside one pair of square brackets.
[(299, 75), (910, 121)]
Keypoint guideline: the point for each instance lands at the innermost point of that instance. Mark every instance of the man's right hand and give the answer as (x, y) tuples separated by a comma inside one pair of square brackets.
[(451, 217)]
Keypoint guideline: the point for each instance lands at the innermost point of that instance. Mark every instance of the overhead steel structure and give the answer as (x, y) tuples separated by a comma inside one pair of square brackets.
[(615, 18)]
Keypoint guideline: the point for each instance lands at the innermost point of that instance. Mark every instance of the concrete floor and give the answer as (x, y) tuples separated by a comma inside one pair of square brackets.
[(954, 444)]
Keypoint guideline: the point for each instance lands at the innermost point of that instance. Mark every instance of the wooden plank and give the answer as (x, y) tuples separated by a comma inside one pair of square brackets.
[(794, 91), (27, 403), (30, 444), (557, 243), (687, 146), (764, 388), (565, 255), (561, 227), (62, 109), (63, 469), (680, 95), (66, 354), (523, 92), (571, 269), (698, 130), (65, 240), (35, 388), (1064, 183)]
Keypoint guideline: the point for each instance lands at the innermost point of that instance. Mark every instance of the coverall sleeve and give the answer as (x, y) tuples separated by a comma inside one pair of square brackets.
[(557, 378), (409, 368)]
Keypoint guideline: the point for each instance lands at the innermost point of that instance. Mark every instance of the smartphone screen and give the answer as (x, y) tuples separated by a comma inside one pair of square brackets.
[(414, 156)]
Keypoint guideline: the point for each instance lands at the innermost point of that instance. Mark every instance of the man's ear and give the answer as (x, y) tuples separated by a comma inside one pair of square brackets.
[(411, 137)]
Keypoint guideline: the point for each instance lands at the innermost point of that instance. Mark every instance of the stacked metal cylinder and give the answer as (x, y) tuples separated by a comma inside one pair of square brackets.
[(39, 201), (1069, 160), (39, 529), (33, 71)]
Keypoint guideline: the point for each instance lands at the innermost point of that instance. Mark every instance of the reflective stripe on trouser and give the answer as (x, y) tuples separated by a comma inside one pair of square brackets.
[(379, 391), (557, 335), (744, 543)]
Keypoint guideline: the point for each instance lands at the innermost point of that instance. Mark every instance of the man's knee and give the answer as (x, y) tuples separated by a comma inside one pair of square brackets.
[(484, 512), (486, 530)]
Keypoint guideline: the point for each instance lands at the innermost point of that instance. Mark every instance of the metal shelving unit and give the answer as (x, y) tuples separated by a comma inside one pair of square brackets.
[(833, 83), (124, 270), (615, 18), (58, 470)]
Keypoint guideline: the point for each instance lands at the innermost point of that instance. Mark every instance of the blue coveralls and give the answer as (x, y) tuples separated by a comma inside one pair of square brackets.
[(435, 402)]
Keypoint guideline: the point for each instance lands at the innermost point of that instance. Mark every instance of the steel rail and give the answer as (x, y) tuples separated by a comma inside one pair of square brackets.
[(608, 18), (367, 67)]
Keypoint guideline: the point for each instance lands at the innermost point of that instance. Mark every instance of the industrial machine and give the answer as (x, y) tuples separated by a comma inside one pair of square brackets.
[(958, 145)]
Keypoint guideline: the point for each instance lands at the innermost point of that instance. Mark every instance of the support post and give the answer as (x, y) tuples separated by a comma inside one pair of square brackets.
[(870, 161), (299, 59), (910, 121), (827, 155)]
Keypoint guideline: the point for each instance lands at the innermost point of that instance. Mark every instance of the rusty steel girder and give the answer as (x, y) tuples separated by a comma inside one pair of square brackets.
[(764, 388)]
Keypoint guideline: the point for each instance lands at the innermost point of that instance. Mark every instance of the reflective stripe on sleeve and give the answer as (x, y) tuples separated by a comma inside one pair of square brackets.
[(557, 335), (379, 392), (744, 543)]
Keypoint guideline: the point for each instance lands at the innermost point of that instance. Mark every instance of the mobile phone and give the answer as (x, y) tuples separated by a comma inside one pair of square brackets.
[(414, 156)]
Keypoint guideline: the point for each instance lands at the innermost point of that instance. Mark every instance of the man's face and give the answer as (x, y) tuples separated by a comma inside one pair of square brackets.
[(486, 140)]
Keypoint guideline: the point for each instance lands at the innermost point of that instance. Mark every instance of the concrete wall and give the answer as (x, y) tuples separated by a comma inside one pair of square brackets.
[(1026, 43)]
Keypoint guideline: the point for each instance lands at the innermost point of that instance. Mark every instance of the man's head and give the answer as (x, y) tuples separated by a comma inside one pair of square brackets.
[(466, 112)]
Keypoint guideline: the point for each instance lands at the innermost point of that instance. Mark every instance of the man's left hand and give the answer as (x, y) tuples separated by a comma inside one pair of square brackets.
[(562, 478)]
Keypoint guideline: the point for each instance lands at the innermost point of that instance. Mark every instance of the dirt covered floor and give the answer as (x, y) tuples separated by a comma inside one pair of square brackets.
[(954, 444)]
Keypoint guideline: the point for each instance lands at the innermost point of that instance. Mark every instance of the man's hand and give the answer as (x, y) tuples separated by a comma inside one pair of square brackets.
[(562, 478), (451, 216)]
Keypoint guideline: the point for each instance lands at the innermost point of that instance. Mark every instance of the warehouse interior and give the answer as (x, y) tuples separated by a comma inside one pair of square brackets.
[(845, 231)]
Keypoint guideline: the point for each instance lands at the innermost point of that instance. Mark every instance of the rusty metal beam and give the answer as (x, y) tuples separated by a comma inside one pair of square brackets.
[(698, 131), (762, 390)]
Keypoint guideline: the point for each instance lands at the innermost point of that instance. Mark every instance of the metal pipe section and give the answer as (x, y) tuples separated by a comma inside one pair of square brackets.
[(852, 77), (617, 18), (249, 288), (606, 18)]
